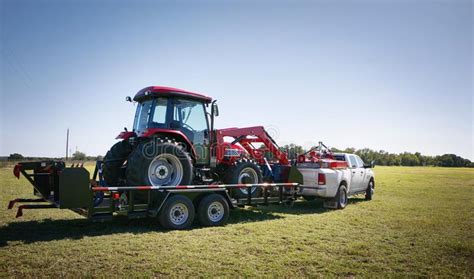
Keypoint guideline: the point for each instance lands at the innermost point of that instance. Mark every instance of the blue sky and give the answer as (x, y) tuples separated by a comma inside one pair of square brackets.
[(391, 75)]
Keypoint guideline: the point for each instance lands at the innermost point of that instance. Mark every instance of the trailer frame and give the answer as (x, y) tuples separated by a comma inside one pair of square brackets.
[(72, 188)]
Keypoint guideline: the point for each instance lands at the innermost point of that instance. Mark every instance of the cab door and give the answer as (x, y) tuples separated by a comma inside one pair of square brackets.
[(357, 174), (190, 118)]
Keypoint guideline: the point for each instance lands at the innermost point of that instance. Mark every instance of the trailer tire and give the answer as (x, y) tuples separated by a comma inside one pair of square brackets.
[(159, 162), (114, 160), (341, 197), (213, 210), (244, 172), (369, 193), (177, 213)]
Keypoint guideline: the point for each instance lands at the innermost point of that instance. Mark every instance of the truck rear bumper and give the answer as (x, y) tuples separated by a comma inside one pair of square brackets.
[(314, 191)]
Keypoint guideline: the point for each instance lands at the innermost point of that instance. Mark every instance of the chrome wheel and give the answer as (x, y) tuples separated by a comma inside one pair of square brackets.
[(248, 176), (179, 214), (372, 189), (165, 169), (215, 211), (343, 198)]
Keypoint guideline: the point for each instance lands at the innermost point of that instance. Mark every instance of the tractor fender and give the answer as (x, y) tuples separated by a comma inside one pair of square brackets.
[(177, 135)]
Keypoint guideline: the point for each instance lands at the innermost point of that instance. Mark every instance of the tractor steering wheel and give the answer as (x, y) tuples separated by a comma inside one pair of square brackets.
[(188, 127)]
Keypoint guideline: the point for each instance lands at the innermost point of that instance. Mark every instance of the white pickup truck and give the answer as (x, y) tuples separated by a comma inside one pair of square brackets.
[(335, 185)]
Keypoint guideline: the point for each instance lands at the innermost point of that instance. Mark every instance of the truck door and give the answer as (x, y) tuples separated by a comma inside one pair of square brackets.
[(357, 174), (365, 177)]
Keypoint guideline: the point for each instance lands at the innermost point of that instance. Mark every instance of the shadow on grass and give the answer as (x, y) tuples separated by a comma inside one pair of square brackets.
[(50, 230)]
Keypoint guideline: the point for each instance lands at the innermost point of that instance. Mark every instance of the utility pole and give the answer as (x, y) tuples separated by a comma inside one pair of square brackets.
[(67, 143)]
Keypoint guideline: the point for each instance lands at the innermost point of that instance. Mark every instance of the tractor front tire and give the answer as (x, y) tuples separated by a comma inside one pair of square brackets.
[(159, 163), (244, 172), (113, 162)]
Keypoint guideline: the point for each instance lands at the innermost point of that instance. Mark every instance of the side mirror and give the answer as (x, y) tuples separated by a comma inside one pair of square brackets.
[(215, 109), (128, 99)]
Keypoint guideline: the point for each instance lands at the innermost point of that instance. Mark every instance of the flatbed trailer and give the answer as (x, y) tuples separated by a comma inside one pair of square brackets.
[(72, 188)]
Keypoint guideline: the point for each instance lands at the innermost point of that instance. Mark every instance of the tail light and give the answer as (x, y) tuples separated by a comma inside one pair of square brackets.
[(321, 179)]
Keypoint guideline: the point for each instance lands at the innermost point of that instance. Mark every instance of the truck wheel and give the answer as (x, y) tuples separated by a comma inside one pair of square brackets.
[(114, 160), (244, 172), (341, 197), (159, 163), (213, 210), (177, 213), (369, 193)]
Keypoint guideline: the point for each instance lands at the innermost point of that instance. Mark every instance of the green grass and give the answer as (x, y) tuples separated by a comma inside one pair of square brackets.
[(420, 223)]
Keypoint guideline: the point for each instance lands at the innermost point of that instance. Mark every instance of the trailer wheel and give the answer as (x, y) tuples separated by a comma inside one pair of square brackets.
[(114, 160), (369, 193), (177, 213), (341, 197), (244, 172), (159, 163), (213, 210)]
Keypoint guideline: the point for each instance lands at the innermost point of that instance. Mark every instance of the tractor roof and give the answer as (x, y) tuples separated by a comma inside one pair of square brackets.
[(156, 91)]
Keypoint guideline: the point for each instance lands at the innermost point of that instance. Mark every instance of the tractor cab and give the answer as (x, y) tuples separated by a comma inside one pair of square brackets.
[(183, 114)]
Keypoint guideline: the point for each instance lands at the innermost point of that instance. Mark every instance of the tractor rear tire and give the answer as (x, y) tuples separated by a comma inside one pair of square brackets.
[(159, 163), (244, 172), (113, 162)]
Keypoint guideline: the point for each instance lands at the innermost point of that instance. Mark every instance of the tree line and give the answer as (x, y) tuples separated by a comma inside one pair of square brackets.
[(381, 158)]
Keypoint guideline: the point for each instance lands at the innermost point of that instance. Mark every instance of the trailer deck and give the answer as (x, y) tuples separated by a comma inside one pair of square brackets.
[(58, 186)]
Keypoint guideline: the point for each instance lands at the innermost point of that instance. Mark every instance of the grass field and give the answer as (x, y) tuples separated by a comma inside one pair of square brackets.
[(420, 223)]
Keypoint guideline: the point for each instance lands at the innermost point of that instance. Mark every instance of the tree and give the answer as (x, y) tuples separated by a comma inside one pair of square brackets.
[(15, 156), (292, 150), (79, 156)]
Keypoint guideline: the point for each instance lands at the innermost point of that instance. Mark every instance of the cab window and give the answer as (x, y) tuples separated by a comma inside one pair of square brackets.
[(142, 115), (159, 113), (353, 161), (359, 161), (190, 115)]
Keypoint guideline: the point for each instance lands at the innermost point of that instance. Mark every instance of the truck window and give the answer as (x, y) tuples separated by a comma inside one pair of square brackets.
[(359, 161), (340, 157), (353, 161)]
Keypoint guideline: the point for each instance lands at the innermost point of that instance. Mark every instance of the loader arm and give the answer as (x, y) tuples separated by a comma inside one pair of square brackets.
[(245, 137)]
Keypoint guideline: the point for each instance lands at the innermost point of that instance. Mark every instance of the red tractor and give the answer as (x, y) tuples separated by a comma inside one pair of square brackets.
[(174, 142)]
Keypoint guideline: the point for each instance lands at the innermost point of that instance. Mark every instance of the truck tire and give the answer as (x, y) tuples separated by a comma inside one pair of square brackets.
[(213, 210), (177, 213), (341, 197), (244, 172), (369, 193), (113, 162), (159, 163)]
